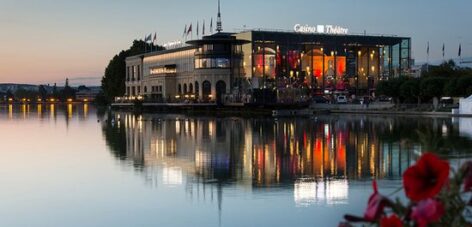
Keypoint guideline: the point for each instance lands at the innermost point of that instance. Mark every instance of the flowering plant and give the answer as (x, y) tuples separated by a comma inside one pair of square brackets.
[(435, 198)]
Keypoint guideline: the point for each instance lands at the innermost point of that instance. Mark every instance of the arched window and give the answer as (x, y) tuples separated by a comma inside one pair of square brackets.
[(185, 88), (206, 89), (179, 88), (190, 88), (197, 88)]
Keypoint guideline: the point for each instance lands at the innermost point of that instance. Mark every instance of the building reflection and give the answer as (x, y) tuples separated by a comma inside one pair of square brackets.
[(43, 111), (317, 157)]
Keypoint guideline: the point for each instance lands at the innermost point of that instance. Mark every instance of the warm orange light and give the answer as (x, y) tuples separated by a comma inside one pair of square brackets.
[(69, 100), (39, 100), (85, 100), (10, 99)]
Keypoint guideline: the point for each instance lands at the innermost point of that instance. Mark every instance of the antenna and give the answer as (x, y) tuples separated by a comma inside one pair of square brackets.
[(219, 26)]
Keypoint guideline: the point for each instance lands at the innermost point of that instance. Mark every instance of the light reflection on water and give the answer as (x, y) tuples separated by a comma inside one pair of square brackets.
[(213, 171)]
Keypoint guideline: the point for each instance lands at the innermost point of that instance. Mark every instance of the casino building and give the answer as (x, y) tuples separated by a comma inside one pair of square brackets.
[(268, 66)]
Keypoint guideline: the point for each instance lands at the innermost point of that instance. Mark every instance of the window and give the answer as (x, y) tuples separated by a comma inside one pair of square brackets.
[(139, 73), (222, 63), (209, 63), (133, 76)]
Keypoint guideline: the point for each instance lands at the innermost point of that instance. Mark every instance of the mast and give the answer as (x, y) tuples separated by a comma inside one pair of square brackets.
[(219, 26)]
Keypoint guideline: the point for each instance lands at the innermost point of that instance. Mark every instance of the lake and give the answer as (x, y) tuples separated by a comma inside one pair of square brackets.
[(74, 165)]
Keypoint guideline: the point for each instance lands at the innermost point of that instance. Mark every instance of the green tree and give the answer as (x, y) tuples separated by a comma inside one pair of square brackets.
[(450, 88), (464, 86), (26, 94), (113, 81), (410, 90), (391, 88), (43, 93), (432, 88), (447, 68)]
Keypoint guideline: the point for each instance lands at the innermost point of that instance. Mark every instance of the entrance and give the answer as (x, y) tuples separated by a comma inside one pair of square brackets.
[(220, 92)]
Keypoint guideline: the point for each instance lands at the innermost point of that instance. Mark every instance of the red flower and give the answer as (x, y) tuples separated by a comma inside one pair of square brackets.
[(392, 221), (426, 178), (427, 211), (376, 205), (467, 168)]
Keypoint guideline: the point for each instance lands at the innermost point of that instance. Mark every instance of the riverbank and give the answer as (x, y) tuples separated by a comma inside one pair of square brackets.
[(212, 109)]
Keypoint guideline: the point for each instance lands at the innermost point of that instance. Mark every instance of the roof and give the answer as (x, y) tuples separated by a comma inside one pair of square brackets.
[(363, 39), (154, 53), (221, 37)]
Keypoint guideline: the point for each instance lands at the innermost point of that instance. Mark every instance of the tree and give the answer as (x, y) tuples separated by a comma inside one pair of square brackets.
[(447, 68), (450, 88), (464, 86), (67, 92), (410, 90), (55, 92), (83, 88), (391, 88), (113, 81), (22, 93), (42, 92), (432, 87)]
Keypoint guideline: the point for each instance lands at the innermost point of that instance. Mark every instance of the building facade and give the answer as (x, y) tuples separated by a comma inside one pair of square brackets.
[(235, 67)]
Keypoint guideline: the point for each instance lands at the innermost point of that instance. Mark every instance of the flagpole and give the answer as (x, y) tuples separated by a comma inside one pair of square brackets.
[(427, 58)]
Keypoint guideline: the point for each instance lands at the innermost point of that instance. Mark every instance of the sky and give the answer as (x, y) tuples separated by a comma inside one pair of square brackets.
[(46, 41)]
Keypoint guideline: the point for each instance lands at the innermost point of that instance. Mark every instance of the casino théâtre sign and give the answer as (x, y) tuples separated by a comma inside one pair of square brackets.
[(323, 29)]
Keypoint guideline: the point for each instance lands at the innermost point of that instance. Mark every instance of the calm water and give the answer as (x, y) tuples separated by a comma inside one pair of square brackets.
[(76, 166)]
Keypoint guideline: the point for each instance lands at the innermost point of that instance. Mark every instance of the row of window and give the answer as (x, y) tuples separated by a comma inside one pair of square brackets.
[(133, 91), (156, 88), (220, 48), (209, 63), (133, 73)]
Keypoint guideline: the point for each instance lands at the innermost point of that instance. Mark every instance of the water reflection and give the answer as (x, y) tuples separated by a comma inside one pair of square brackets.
[(316, 158), (49, 112), (329, 192)]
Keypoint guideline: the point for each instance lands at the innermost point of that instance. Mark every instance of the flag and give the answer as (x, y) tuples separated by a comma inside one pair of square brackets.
[(147, 38), (460, 50), (185, 31), (155, 38), (211, 25), (197, 28), (443, 49), (189, 29), (203, 29), (427, 49)]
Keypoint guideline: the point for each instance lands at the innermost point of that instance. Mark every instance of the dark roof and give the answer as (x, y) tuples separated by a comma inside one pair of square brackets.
[(161, 52), (284, 36), (221, 37)]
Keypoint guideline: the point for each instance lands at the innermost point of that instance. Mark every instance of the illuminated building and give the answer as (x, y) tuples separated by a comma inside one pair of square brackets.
[(265, 66), (231, 65)]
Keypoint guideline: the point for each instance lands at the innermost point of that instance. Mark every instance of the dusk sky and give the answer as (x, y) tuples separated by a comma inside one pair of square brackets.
[(46, 41)]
